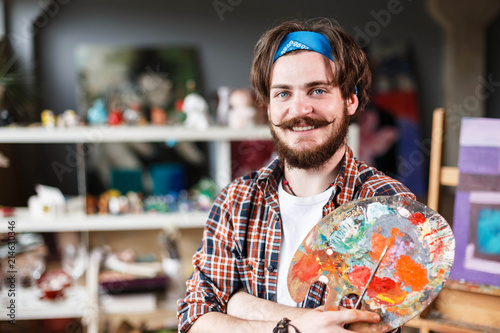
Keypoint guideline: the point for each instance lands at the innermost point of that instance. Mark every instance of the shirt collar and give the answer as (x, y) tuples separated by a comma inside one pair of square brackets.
[(270, 175), (345, 182)]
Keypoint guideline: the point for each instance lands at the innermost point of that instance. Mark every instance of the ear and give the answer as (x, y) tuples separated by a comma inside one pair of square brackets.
[(352, 103)]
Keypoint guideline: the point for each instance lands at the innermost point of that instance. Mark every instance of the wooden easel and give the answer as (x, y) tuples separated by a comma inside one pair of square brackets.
[(460, 307)]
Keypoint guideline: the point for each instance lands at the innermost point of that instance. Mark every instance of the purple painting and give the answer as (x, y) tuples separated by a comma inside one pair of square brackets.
[(476, 222)]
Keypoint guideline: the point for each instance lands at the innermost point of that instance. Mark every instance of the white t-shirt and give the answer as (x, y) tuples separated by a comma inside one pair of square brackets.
[(298, 215)]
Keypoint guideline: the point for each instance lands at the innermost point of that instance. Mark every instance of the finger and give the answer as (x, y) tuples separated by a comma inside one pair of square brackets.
[(365, 328), (354, 316)]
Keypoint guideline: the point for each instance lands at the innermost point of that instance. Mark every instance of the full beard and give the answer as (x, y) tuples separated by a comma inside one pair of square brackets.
[(311, 158)]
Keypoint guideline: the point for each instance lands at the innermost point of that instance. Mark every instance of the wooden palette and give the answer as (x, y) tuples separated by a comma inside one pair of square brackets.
[(344, 247)]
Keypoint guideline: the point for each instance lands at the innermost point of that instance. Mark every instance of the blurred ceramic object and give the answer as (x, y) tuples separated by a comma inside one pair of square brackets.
[(135, 203), (223, 94), (91, 204), (6, 211), (6, 117), (242, 113), (133, 114), (158, 116), (98, 115), (70, 118), (48, 118), (196, 110), (53, 284), (115, 117)]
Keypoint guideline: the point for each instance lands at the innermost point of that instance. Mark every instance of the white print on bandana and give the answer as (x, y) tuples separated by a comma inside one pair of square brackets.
[(293, 45)]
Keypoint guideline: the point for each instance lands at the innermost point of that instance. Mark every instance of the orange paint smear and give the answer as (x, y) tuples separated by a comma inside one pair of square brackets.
[(306, 268), (411, 273), (379, 242), (334, 264)]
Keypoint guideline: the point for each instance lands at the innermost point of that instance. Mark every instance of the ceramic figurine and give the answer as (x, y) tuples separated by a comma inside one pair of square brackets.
[(48, 118), (133, 114), (158, 116), (6, 117), (6, 211), (223, 94), (115, 117), (91, 204), (196, 110), (118, 205), (70, 118), (60, 121), (135, 202), (102, 203), (97, 114), (242, 113)]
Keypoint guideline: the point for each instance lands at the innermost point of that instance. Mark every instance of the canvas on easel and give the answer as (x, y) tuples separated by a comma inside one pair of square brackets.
[(476, 222)]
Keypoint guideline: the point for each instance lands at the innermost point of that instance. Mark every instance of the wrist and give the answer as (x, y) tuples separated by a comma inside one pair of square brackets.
[(283, 325)]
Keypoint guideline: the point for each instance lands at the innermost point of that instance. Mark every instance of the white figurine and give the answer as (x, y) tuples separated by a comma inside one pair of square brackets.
[(70, 118), (242, 113), (196, 109)]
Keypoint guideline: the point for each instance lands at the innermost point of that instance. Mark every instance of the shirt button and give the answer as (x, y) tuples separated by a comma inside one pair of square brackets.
[(250, 267), (270, 268)]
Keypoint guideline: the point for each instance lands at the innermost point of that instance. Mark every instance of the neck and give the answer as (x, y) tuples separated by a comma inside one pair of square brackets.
[(307, 183)]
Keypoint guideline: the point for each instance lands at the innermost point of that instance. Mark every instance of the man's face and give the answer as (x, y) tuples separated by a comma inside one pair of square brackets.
[(309, 119)]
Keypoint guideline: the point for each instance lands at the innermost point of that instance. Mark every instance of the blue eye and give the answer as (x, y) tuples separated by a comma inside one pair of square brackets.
[(282, 94), (318, 92)]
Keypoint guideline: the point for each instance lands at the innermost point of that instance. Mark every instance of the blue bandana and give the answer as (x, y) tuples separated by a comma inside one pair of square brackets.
[(304, 40)]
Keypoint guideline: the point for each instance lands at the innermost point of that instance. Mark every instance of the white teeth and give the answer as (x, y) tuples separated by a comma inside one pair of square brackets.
[(300, 129)]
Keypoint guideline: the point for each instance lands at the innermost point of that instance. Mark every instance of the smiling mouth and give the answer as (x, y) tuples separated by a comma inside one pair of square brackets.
[(303, 128)]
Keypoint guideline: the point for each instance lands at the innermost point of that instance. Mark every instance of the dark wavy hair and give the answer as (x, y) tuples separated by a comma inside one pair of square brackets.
[(351, 64)]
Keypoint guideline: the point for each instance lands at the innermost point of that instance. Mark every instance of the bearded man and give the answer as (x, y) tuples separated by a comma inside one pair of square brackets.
[(313, 78)]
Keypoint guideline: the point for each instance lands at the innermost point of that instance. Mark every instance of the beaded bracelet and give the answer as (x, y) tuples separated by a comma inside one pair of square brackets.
[(282, 326)]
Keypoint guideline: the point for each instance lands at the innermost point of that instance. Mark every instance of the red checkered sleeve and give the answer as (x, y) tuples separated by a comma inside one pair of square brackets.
[(213, 279)]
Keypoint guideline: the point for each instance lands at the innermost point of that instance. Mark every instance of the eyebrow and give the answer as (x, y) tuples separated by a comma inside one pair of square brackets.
[(280, 86), (307, 85), (318, 83)]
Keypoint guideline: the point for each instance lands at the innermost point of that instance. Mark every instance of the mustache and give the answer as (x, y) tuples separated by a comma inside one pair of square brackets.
[(308, 121)]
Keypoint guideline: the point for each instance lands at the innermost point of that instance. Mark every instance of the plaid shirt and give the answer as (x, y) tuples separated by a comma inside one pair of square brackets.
[(242, 237)]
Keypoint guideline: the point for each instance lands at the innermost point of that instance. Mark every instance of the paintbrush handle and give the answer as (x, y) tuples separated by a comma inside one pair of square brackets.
[(358, 304)]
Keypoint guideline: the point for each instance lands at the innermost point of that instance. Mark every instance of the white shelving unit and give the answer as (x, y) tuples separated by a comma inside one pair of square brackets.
[(87, 299), (151, 133), (31, 306), (221, 136), (26, 222)]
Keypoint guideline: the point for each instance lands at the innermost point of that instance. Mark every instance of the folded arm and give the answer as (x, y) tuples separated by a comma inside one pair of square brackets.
[(252, 310)]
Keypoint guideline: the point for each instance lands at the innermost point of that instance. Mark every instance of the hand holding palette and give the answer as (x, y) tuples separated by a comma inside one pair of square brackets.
[(410, 247)]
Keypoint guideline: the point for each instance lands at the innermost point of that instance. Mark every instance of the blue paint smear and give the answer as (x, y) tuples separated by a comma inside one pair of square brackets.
[(488, 231)]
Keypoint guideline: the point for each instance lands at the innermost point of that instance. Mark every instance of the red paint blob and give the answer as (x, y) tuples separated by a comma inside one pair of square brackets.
[(417, 218), (382, 285), (359, 276), (385, 291)]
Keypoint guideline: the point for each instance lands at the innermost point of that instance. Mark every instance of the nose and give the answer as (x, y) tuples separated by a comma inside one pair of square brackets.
[(300, 106)]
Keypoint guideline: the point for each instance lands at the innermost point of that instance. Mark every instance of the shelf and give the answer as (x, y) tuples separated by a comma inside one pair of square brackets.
[(29, 306), (25, 222), (98, 134)]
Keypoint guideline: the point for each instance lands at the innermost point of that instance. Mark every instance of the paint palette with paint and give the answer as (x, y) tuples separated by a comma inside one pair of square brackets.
[(343, 249)]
